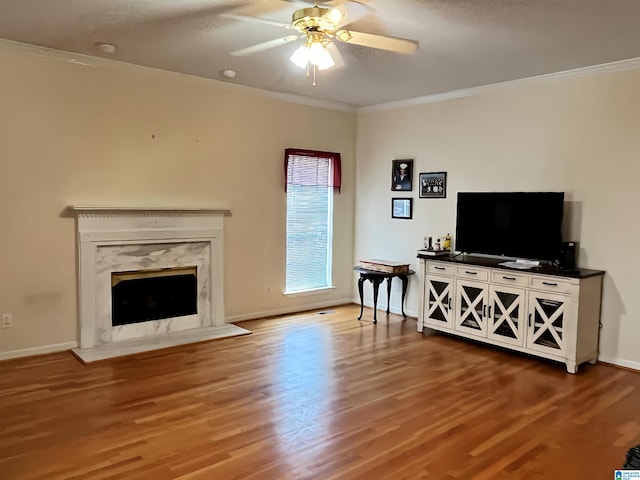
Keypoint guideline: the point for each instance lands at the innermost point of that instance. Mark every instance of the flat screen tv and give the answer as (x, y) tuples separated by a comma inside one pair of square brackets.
[(524, 225)]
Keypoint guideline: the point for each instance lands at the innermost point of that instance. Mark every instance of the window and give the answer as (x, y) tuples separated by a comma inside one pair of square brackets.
[(311, 178)]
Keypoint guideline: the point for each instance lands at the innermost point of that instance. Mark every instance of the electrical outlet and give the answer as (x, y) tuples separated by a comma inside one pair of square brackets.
[(7, 320)]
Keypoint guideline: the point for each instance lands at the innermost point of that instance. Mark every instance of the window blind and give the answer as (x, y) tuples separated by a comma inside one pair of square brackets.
[(310, 183)]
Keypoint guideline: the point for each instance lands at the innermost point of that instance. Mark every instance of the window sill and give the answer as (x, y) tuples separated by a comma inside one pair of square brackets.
[(305, 293)]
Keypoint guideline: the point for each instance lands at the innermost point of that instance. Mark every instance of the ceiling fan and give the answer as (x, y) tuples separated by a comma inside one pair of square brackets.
[(319, 26)]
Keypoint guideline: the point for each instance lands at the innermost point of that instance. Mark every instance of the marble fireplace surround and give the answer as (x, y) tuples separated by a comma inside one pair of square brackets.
[(112, 239)]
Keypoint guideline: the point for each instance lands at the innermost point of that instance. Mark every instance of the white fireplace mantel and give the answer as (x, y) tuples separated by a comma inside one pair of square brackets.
[(106, 237), (101, 210)]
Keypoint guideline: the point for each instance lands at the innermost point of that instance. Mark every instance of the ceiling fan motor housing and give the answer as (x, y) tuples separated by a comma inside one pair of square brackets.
[(311, 18)]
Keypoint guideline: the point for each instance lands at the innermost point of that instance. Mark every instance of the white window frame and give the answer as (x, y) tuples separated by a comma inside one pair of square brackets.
[(329, 246)]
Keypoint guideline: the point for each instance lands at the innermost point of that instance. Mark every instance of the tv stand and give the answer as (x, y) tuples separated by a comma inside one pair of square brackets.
[(549, 313)]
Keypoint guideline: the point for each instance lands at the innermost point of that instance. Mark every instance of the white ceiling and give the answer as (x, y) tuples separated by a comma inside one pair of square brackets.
[(463, 43)]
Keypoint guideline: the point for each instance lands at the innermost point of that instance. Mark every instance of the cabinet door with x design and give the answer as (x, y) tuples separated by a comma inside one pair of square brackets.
[(437, 307), (548, 318), (506, 314), (471, 307)]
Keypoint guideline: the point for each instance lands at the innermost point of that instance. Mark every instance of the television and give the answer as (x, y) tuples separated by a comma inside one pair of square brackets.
[(524, 225)]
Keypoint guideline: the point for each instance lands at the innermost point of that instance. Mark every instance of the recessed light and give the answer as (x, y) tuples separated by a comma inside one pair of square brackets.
[(228, 73), (106, 47)]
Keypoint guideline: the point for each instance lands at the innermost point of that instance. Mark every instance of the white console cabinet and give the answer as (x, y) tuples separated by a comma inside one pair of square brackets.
[(543, 312)]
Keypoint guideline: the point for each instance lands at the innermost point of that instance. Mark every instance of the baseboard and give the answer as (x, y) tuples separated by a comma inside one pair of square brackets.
[(392, 309), (286, 310), (59, 347), (620, 362), (29, 352)]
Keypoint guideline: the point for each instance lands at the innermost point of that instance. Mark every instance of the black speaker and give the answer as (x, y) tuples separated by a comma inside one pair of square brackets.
[(567, 260)]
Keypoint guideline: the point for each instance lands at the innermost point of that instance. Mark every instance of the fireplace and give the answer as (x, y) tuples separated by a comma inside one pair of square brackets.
[(144, 295), (144, 272)]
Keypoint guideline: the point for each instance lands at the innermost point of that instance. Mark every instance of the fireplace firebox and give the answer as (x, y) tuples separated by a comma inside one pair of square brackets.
[(146, 295)]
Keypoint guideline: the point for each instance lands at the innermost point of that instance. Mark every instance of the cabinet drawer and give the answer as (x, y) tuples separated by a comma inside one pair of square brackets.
[(553, 284), (472, 273), (440, 268), (508, 278)]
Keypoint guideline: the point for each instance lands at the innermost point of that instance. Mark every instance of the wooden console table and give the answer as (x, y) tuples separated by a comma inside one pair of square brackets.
[(376, 279)]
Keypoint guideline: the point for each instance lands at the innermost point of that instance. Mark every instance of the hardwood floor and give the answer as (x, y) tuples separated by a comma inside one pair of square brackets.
[(316, 396)]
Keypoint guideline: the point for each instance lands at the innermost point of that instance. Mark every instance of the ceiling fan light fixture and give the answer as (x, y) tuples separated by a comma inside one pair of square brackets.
[(314, 53), (300, 57), (320, 56)]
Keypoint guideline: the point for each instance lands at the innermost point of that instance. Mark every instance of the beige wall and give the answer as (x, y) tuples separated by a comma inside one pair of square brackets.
[(115, 134), (580, 135)]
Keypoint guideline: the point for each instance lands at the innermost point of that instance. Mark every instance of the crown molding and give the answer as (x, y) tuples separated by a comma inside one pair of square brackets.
[(619, 66), (309, 101), (91, 61)]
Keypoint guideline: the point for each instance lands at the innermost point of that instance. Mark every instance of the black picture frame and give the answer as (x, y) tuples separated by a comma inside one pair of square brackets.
[(402, 175), (402, 208), (433, 185)]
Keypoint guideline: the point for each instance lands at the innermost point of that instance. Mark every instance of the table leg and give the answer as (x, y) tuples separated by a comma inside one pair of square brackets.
[(405, 282), (376, 285), (360, 288), (388, 293)]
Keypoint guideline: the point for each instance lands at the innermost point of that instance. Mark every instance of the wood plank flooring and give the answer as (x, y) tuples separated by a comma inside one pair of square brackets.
[(316, 396)]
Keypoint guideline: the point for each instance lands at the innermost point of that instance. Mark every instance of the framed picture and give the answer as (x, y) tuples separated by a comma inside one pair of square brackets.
[(402, 175), (401, 208), (433, 185)]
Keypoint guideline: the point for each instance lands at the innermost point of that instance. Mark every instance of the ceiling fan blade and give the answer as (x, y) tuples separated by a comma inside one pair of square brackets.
[(345, 13), (381, 42), (263, 21), (340, 12), (337, 15), (258, 9), (259, 47), (324, 3)]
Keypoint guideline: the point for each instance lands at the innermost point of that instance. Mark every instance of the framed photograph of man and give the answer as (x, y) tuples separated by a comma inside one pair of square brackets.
[(402, 175), (433, 185)]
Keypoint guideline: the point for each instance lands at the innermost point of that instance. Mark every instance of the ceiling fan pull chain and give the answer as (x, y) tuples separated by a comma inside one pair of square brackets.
[(314, 74)]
